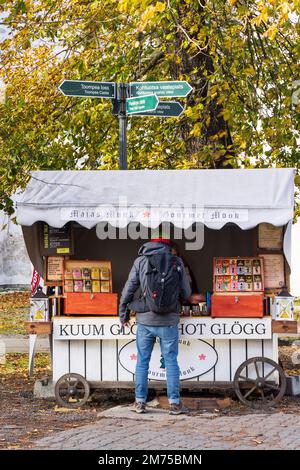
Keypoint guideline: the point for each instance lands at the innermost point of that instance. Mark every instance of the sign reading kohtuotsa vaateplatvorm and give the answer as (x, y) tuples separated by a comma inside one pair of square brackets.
[(165, 89)]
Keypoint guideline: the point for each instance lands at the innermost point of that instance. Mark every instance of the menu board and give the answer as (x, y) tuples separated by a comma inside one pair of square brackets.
[(273, 271), (270, 237), (56, 241), (55, 268)]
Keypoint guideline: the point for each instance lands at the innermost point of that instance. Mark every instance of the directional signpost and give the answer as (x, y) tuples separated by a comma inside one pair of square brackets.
[(163, 89), (143, 101), (88, 89), (164, 109), (141, 104)]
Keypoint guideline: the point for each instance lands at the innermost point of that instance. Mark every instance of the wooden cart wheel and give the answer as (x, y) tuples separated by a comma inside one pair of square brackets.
[(72, 390), (259, 382)]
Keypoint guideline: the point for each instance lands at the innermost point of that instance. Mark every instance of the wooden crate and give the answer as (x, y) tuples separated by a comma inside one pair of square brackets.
[(83, 303), (239, 304), (90, 303), (72, 263), (229, 278)]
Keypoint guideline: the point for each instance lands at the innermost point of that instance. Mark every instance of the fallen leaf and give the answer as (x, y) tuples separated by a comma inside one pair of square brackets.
[(63, 409), (257, 441)]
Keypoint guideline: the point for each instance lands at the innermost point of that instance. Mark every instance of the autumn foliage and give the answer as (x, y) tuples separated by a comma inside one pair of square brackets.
[(240, 56)]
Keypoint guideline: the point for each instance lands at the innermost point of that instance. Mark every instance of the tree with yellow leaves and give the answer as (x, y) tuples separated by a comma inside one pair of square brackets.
[(240, 56)]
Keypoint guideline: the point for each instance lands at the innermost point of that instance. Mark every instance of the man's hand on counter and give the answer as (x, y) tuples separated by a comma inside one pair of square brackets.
[(196, 298)]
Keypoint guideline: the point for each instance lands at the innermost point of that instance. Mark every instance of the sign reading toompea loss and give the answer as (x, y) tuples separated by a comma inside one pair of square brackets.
[(88, 89), (194, 359)]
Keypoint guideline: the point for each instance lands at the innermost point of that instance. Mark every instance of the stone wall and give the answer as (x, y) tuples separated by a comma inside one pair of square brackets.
[(15, 266)]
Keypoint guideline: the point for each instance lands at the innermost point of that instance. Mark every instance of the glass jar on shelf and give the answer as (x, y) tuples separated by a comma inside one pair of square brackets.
[(185, 310), (195, 310)]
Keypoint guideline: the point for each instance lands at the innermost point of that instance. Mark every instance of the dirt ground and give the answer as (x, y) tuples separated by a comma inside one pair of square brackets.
[(24, 419)]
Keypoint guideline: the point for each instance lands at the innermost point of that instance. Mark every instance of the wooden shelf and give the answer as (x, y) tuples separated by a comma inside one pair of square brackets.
[(53, 283), (284, 326), (38, 328)]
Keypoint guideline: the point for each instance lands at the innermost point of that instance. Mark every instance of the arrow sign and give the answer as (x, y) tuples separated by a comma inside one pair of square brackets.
[(142, 103), (165, 89), (88, 89), (164, 109)]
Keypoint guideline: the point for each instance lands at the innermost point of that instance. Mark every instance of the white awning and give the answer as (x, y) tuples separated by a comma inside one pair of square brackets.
[(214, 197)]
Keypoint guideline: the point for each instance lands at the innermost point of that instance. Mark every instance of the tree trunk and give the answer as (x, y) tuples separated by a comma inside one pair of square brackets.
[(212, 121)]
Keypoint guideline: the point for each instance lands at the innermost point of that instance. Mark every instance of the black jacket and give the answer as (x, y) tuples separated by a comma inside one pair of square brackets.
[(137, 279)]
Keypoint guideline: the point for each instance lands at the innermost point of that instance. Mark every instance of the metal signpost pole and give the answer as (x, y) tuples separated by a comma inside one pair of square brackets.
[(133, 99), (122, 95)]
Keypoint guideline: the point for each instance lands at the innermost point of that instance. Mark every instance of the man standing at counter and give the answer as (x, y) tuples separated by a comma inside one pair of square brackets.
[(163, 281)]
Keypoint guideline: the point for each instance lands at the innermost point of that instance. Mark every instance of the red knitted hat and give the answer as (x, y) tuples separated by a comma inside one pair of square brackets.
[(161, 240)]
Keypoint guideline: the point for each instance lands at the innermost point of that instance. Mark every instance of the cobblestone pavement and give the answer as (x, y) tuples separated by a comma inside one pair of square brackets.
[(157, 430)]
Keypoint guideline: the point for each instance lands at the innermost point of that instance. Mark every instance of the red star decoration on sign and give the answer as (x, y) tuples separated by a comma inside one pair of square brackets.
[(133, 357), (147, 214), (202, 357)]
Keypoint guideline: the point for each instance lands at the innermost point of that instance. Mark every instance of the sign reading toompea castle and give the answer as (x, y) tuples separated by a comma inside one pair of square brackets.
[(189, 328)]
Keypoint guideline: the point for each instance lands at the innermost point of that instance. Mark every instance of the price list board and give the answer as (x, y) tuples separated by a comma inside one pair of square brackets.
[(56, 241)]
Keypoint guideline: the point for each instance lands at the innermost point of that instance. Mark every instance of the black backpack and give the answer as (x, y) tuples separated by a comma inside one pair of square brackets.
[(163, 276)]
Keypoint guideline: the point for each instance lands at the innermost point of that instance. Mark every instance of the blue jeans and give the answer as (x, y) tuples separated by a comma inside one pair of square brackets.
[(145, 340)]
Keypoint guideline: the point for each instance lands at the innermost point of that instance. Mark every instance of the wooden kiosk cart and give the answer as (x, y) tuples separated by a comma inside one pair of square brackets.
[(82, 230)]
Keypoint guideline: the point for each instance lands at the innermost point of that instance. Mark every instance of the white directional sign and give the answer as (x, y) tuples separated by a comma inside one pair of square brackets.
[(142, 103), (165, 89)]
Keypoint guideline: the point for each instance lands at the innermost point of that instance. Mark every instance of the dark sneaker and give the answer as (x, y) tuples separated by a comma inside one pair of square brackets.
[(139, 407), (178, 409)]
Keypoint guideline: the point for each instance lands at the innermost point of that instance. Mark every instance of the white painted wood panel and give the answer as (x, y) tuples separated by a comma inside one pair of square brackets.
[(254, 349), (209, 376), (77, 357), (123, 373), (271, 351), (109, 360), (93, 360), (60, 359), (238, 355), (222, 369), (98, 360)]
